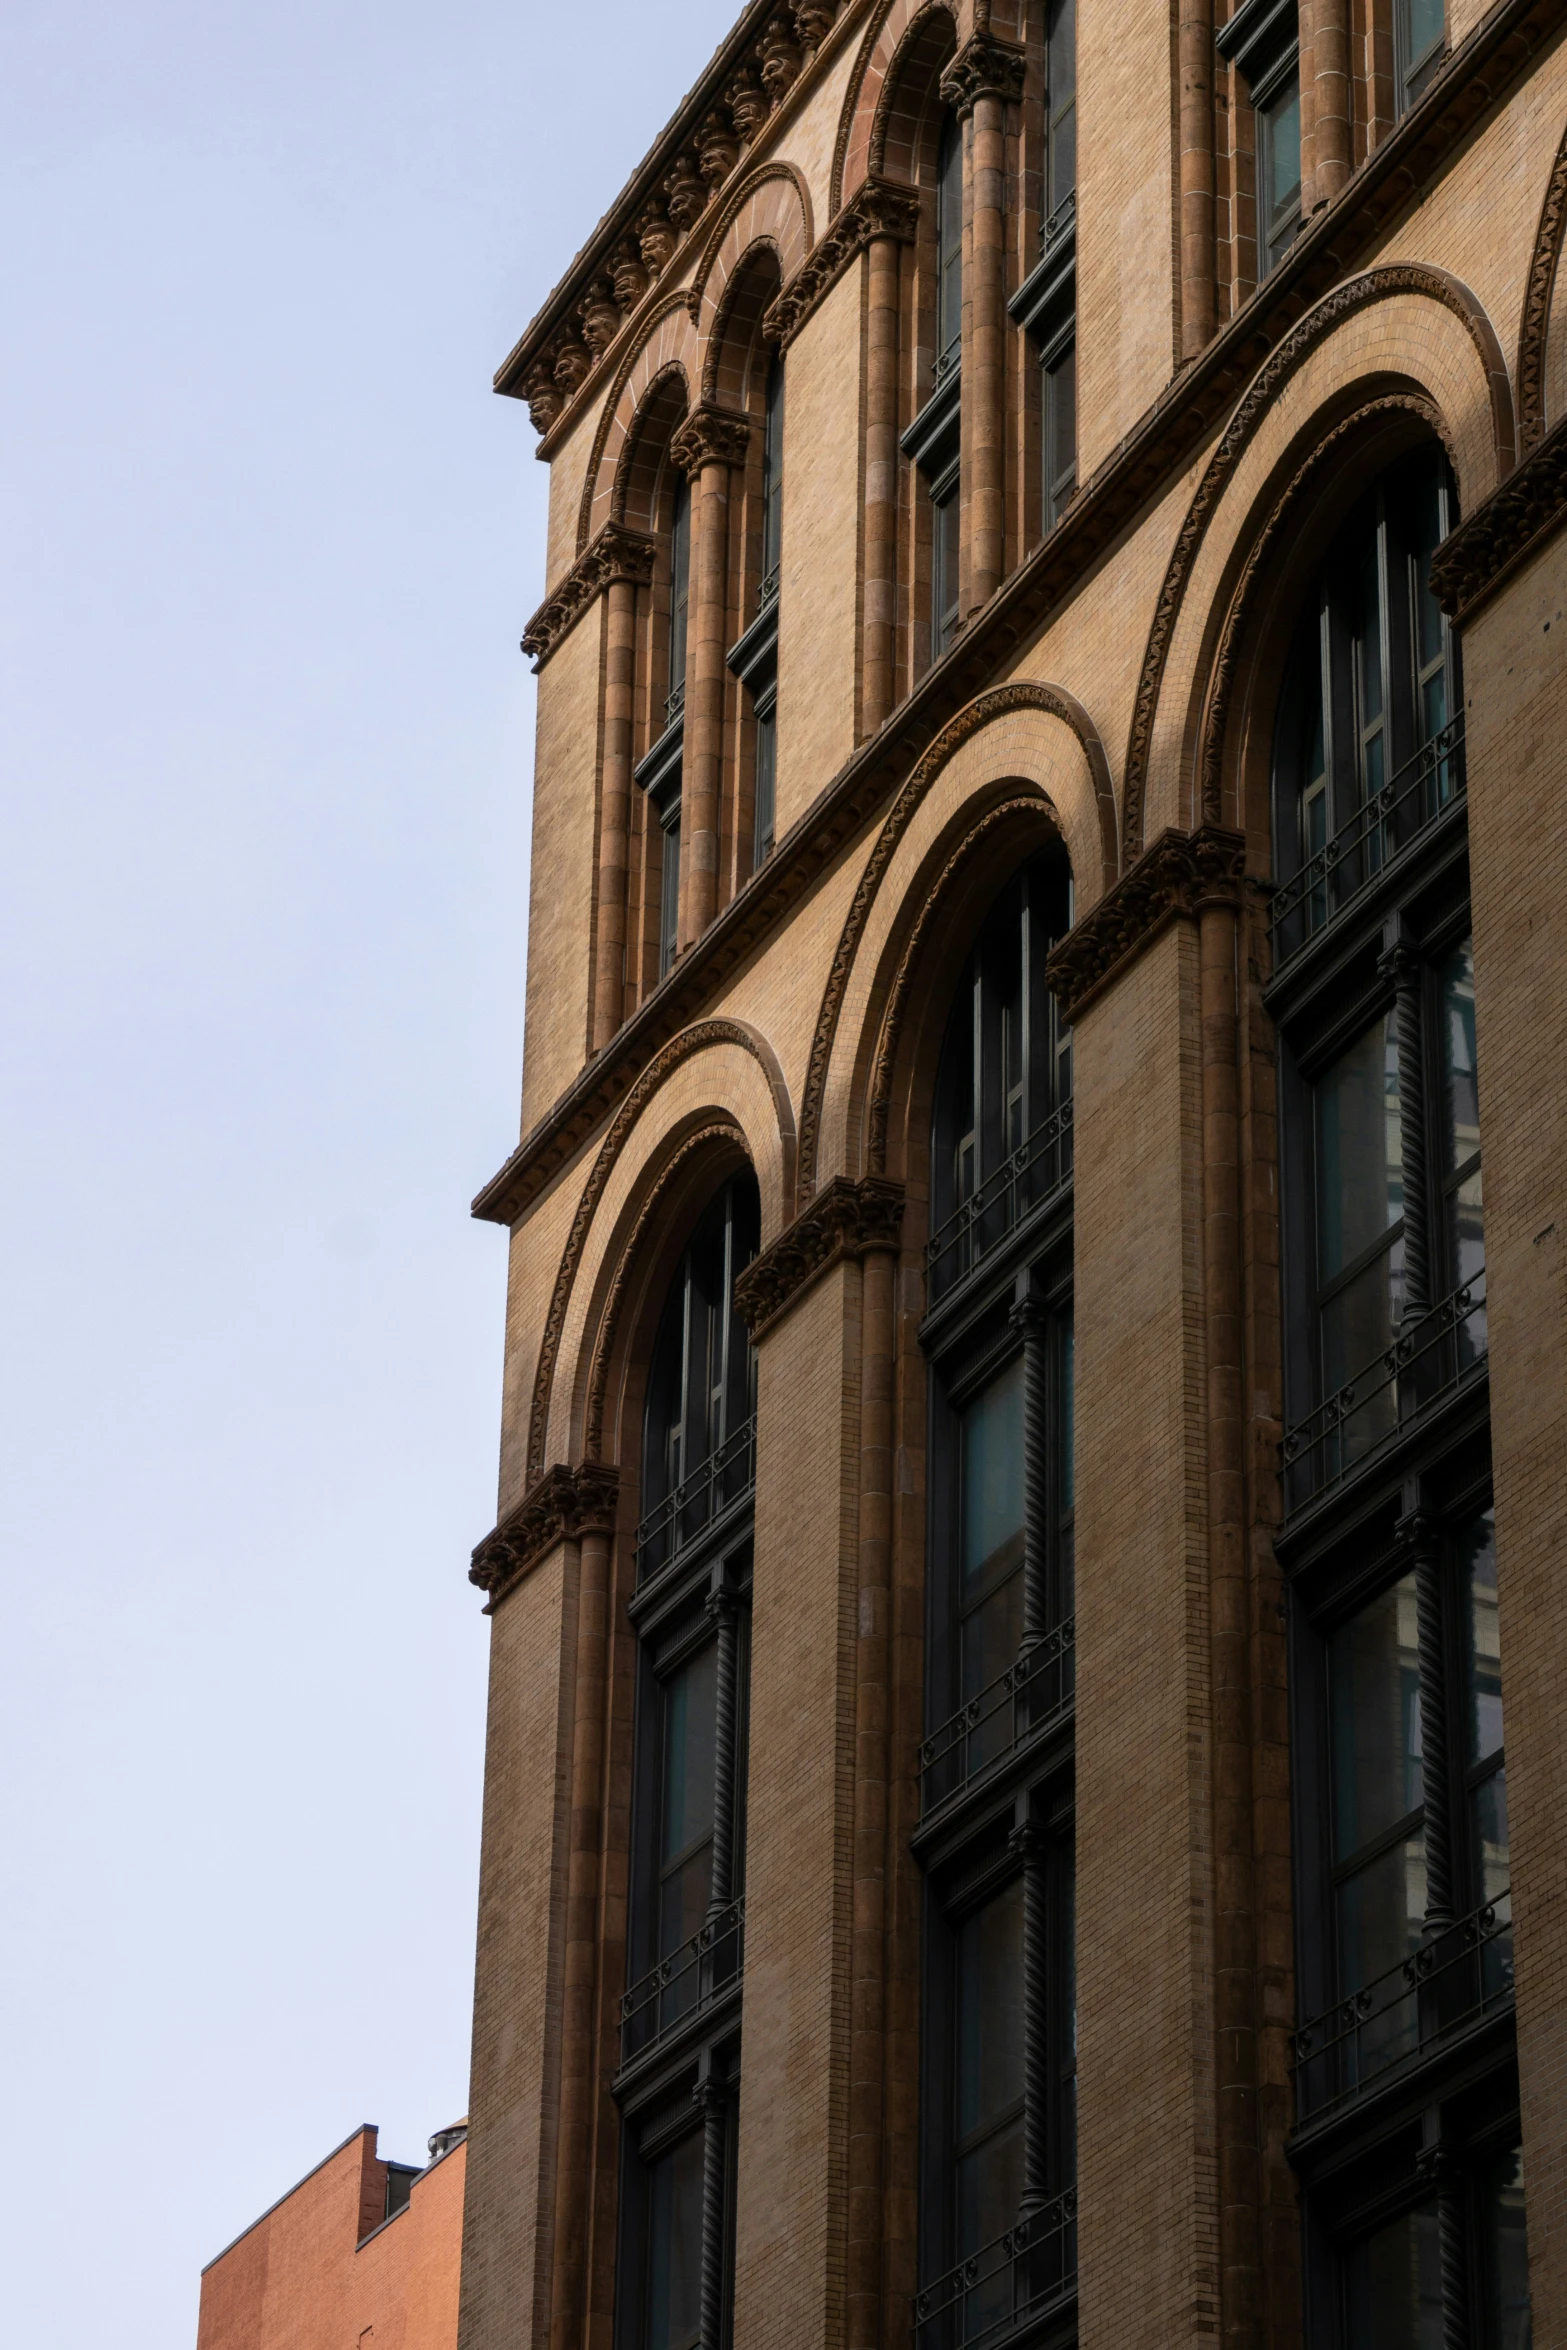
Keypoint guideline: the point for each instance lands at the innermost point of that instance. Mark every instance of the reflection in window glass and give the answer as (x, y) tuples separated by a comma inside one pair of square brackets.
[(1378, 1791), (1060, 433), (686, 1858), (989, 2069), (674, 2288), (949, 244), (991, 1470), (1360, 1203), (1393, 2286), (1278, 174), (1061, 101)]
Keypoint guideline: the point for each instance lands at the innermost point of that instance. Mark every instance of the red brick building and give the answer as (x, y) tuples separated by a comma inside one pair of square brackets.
[(362, 2252), (1032, 1467)]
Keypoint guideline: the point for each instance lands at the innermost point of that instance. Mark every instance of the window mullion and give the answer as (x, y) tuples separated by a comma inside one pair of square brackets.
[(1422, 1533), (1404, 967)]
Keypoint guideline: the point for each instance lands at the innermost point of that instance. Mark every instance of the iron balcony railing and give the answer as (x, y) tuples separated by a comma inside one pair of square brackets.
[(1014, 2282), (1031, 1695), (1452, 1981), (725, 1477), (1430, 1357), (685, 1984), (1039, 1166), (1059, 224), (1357, 852)]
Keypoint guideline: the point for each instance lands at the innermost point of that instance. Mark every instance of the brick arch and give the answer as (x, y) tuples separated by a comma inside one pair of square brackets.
[(777, 1190), (669, 340), (1014, 724), (770, 209), (635, 490), (1535, 388), (906, 44), (1484, 441), (731, 340)]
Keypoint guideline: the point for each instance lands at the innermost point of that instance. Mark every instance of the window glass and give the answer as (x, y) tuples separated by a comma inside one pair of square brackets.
[(679, 592), (674, 2317), (686, 1857), (772, 478), (1060, 436), (1461, 1121), (991, 1473), (1427, 522), (766, 781), (1483, 1708), (1378, 1788), (1506, 2256), (1061, 73), (1369, 668), (1360, 1200), (949, 243), (990, 2069), (1393, 2286)]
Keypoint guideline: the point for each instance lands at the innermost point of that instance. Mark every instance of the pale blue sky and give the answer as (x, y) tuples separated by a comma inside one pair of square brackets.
[(265, 739)]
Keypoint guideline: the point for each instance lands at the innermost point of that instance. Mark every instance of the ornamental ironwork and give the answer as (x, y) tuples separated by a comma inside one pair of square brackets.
[(1383, 825), (1433, 1355), (1015, 2281)]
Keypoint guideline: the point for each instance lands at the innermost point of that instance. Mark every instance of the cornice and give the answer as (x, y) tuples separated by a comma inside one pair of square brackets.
[(1504, 530), (616, 553), (754, 85), (845, 1219), (984, 68), (562, 1505), (1181, 874), (1157, 450), (710, 436), (878, 208)]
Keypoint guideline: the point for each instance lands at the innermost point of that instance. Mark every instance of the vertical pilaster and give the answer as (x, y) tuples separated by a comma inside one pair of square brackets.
[(1331, 156), (710, 443), (881, 481), (1196, 67), (983, 79), (609, 969)]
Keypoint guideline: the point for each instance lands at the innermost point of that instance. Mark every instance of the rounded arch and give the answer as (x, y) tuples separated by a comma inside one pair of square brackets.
[(1034, 733), (1542, 345), (1460, 369), (904, 45), (634, 493), (734, 328), (1264, 590), (772, 1154), (668, 342), (771, 208)]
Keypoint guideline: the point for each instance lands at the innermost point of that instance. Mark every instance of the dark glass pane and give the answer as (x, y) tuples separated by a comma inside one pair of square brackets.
[(1393, 2286), (772, 473), (1060, 434), (766, 773), (1423, 28), (1061, 76), (1360, 1184), (944, 569), (679, 578), (1368, 668), (1374, 1708), (1064, 1433), (674, 2317), (1483, 1707), (1460, 1089), (990, 2065), (1488, 1803), (1505, 2257), (1063, 53), (690, 1718), (1426, 519), (992, 1471), (949, 238), (669, 896), (1283, 148), (1380, 1914)]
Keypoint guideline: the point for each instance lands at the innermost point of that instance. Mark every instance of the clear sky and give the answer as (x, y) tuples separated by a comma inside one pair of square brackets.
[(269, 542)]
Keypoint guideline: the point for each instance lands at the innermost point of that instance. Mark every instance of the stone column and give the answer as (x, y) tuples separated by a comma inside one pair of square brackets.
[(1325, 44), (707, 446), (881, 480), (983, 79), (627, 564), (1196, 54)]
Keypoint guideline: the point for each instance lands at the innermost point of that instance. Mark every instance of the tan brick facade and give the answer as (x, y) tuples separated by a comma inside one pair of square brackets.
[(1110, 697)]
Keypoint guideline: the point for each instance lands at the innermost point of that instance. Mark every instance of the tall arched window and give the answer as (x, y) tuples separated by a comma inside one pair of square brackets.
[(934, 438), (998, 2240), (754, 659), (659, 773), (680, 2016), (1404, 1951)]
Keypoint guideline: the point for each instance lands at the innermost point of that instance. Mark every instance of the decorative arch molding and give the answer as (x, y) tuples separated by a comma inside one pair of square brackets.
[(874, 72), (712, 1134), (668, 341), (1534, 327), (680, 1048), (1019, 808), (984, 710), (791, 230), (1221, 673), (1356, 294)]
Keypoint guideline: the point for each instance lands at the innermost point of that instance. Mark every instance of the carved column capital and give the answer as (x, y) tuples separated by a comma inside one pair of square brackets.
[(1179, 875), (563, 1505), (845, 1219), (710, 436), (983, 68), (878, 208), (1504, 532), (616, 553)]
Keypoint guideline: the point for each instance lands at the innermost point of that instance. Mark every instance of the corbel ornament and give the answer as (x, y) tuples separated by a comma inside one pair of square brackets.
[(616, 553), (1504, 531), (1181, 874), (562, 1505), (845, 1219), (984, 68), (878, 208), (710, 436)]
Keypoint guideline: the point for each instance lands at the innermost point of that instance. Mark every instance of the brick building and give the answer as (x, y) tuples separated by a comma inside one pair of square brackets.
[(363, 2252), (1008, 1578)]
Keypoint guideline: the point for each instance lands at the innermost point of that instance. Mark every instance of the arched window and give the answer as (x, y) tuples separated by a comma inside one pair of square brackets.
[(944, 481), (999, 2240), (680, 2016), (1398, 1766), (659, 773)]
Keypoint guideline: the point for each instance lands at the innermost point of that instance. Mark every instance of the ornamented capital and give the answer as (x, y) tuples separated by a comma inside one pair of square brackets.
[(564, 1505), (1178, 876), (984, 68), (845, 1219), (710, 436), (616, 553), (1504, 530), (878, 208)]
